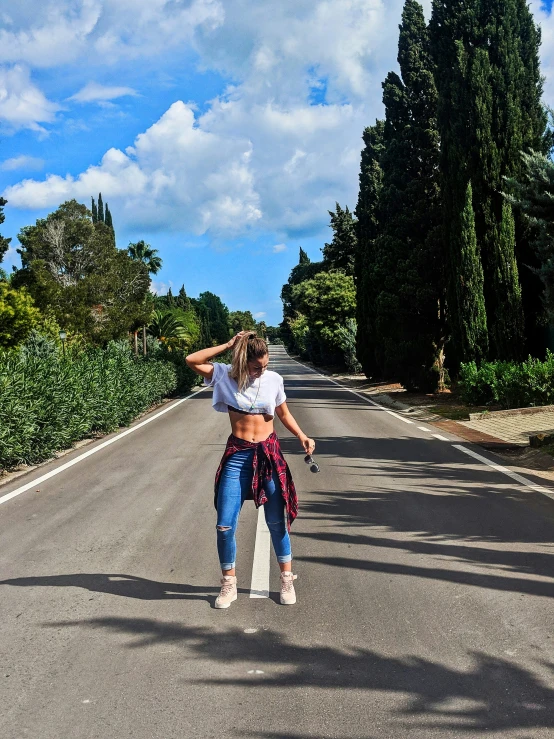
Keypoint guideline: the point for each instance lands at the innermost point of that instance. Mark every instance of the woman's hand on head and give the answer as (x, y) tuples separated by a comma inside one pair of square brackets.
[(232, 341)]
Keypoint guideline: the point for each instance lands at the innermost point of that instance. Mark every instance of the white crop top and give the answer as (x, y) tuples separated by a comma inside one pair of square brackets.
[(262, 395)]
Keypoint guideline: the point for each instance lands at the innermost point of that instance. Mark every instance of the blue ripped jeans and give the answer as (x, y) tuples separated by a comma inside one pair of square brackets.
[(234, 486)]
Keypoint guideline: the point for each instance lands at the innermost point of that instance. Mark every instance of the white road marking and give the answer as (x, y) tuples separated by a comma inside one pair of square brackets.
[(259, 586), (104, 444), (349, 390), (522, 480), (504, 470)]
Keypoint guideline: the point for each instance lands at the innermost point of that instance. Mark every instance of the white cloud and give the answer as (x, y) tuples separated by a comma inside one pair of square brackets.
[(21, 162), (261, 156), (22, 105), (11, 257), (176, 176), (160, 288), (54, 32), (259, 315), (546, 21), (279, 247), (93, 92)]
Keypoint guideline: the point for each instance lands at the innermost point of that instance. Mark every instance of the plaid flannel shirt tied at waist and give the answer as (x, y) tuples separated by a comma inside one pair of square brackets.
[(267, 455)]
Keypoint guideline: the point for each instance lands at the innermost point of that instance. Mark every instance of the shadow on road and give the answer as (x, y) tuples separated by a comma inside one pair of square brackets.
[(127, 586), (492, 695)]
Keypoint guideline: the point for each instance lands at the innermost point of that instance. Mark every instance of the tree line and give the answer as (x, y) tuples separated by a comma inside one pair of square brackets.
[(74, 278), (451, 244)]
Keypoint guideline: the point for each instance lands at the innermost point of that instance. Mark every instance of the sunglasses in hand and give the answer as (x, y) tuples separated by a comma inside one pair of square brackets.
[(314, 467)]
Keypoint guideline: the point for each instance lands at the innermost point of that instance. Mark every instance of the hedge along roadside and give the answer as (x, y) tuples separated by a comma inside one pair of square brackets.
[(510, 384), (48, 401)]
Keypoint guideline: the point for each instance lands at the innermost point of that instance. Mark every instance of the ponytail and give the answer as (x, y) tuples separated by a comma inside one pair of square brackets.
[(245, 349)]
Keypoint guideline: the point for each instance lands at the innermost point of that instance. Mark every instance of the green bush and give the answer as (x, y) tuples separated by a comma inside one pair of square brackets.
[(509, 384), (48, 401)]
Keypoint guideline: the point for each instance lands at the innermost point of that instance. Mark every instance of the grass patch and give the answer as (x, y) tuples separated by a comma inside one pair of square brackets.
[(457, 411)]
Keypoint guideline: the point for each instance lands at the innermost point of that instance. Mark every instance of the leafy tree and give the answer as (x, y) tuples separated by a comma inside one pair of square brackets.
[(241, 320), (326, 301), (533, 196), (273, 333), (347, 337), (340, 253), (304, 270), (18, 315), (261, 329), (73, 266), (94, 210), (214, 317), (4, 243), (143, 252)]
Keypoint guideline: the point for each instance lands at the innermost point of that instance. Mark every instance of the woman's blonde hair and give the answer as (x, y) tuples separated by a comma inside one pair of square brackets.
[(245, 349)]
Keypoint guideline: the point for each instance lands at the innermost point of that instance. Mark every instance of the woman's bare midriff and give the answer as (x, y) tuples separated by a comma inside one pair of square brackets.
[(252, 427)]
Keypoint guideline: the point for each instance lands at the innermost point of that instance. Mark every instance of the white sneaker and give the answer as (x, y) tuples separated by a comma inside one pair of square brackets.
[(228, 592), (288, 596)]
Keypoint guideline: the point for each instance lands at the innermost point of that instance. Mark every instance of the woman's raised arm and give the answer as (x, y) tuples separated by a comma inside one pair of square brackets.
[(199, 361)]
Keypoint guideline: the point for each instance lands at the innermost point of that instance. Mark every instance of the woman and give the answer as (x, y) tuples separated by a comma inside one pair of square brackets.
[(252, 465)]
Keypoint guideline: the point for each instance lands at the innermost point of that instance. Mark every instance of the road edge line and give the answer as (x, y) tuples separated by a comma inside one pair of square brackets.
[(90, 452), (359, 395), (499, 468)]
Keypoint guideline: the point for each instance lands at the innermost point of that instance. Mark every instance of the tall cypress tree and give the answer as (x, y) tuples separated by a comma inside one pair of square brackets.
[(371, 177), (182, 300), (409, 309), (533, 197), (94, 210), (489, 109), (339, 254), (468, 285), (100, 208), (108, 218)]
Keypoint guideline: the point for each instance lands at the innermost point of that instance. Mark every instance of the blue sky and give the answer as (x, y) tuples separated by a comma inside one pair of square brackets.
[(219, 132)]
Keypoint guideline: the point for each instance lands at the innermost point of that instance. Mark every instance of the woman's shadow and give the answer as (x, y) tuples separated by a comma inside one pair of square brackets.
[(127, 586)]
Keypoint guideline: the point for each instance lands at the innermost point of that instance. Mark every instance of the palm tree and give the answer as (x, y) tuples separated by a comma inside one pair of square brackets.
[(143, 252), (167, 328)]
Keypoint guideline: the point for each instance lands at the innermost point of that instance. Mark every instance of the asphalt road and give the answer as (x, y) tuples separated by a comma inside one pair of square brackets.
[(425, 587)]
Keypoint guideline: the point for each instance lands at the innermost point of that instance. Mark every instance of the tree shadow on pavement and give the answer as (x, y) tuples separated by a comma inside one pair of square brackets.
[(493, 694), (402, 485), (530, 563)]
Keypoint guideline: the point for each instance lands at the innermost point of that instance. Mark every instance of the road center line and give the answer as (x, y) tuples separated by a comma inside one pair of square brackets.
[(259, 586), (441, 438), (67, 465)]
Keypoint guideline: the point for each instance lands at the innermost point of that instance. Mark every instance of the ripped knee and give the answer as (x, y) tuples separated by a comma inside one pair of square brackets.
[(223, 528)]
